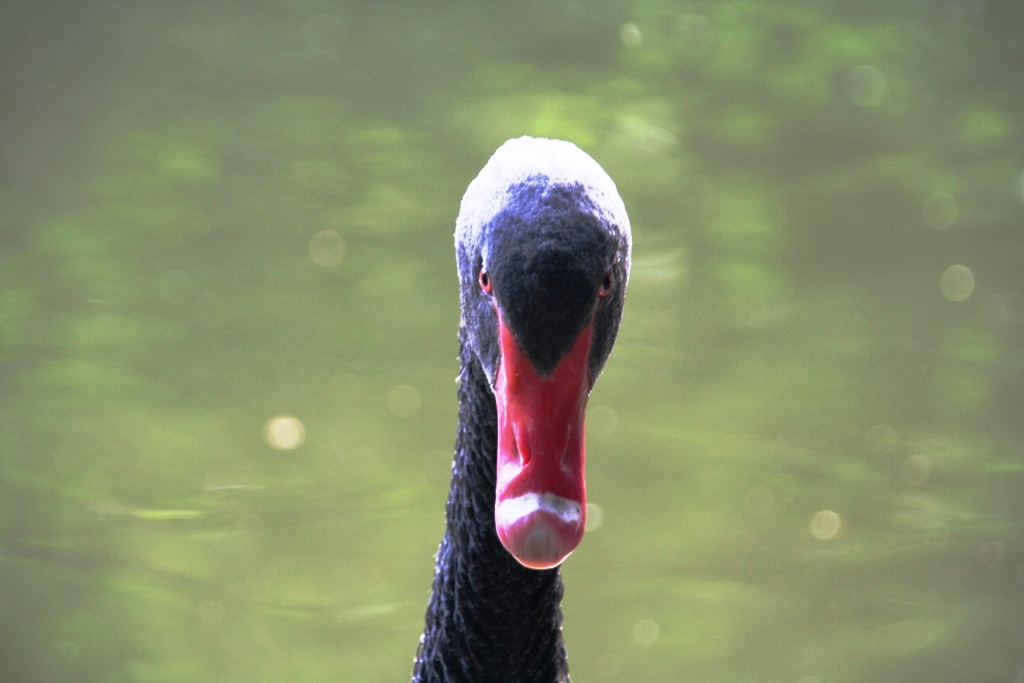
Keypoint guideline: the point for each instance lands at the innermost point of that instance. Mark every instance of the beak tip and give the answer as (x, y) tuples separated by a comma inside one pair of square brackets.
[(541, 538), (540, 548)]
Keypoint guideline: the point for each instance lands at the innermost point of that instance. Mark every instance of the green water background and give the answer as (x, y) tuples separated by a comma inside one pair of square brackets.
[(228, 318)]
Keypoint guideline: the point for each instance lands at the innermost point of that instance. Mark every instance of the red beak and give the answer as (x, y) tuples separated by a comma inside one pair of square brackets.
[(541, 501)]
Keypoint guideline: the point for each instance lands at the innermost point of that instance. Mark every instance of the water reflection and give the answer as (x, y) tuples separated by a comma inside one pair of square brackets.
[(825, 525), (228, 315), (284, 433), (957, 283)]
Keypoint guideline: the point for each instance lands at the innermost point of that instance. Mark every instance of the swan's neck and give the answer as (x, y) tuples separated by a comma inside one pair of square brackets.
[(489, 618)]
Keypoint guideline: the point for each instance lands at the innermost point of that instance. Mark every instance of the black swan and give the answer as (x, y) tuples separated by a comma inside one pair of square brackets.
[(543, 246)]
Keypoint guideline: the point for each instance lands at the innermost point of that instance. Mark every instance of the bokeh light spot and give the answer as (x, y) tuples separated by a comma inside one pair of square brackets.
[(646, 631), (284, 433), (404, 400), (916, 469), (326, 248), (825, 525), (629, 34), (957, 283)]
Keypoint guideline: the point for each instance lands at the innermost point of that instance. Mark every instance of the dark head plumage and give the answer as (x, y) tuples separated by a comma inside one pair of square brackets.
[(546, 223)]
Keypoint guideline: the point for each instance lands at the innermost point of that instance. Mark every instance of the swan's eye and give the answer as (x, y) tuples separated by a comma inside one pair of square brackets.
[(606, 285), (485, 281)]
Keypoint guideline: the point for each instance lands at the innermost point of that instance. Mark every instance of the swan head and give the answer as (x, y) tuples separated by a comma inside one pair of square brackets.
[(543, 248)]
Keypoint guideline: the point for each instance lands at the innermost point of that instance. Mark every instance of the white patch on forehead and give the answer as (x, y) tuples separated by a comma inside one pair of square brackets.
[(563, 163)]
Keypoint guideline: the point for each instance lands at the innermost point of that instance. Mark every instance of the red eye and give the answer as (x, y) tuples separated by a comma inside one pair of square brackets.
[(606, 285), (485, 281)]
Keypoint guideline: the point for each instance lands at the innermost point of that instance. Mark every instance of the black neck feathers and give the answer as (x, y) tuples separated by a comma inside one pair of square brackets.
[(489, 618)]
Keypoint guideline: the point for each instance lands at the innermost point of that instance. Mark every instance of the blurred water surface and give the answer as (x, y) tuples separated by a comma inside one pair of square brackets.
[(228, 311)]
